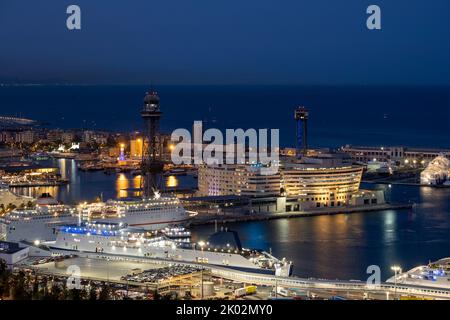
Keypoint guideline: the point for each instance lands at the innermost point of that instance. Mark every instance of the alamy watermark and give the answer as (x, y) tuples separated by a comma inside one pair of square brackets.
[(73, 21), (239, 147), (74, 279), (374, 272), (374, 20)]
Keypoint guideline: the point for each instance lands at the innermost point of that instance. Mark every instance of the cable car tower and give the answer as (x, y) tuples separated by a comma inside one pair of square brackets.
[(301, 117), (151, 166)]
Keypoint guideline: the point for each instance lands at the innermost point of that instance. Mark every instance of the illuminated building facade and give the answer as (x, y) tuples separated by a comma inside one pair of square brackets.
[(136, 148), (320, 184), (320, 181), (306, 183), (242, 180)]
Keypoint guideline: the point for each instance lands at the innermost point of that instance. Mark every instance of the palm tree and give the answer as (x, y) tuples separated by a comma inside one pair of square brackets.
[(10, 207), (36, 293), (105, 293), (56, 292), (92, 293), (19, 289), (4, 279), (75, 294)]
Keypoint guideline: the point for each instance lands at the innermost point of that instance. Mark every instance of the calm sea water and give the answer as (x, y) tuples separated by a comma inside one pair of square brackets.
[(414, 116)]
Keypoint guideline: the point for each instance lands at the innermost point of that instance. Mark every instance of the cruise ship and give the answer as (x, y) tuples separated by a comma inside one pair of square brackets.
[(100, 240), (41, 222)]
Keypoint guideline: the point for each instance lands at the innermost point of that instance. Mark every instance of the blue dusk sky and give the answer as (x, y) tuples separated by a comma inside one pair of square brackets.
[(288, 42)]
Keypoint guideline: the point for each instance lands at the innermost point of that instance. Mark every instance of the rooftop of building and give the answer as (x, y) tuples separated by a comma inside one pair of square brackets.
[(9, 247), (320, 160)]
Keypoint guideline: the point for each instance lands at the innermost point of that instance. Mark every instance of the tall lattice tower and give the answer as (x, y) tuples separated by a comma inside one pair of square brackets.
[(152, 166), (301, 117)]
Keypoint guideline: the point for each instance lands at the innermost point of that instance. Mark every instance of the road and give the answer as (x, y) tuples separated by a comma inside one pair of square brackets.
[(356, 288)]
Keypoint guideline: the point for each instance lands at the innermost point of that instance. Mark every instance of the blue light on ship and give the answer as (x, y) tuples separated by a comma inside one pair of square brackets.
[(75, 230)]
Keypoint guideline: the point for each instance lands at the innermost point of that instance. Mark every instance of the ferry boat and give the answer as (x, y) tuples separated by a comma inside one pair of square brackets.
[(101, 240), (41, 222)]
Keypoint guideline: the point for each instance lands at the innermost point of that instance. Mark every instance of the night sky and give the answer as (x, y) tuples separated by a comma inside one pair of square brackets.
[(323, 42)]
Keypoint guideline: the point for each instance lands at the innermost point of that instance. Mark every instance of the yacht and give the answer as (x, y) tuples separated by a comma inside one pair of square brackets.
[(152, 213)]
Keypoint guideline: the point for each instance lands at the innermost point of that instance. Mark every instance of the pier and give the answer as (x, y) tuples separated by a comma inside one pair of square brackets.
[(43, 183), (236, 217)]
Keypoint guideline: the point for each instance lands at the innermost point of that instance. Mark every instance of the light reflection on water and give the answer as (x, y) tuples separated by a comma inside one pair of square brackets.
[(122, 184), (172, 181)]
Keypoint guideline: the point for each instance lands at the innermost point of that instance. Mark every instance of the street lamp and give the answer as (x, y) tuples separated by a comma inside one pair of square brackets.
[(202, 244), (396, 270)]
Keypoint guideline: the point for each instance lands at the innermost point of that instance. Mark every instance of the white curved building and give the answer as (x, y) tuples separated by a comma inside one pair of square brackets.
[(321, 182)]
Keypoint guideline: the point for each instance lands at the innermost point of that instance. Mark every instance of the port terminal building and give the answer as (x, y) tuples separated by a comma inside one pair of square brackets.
[(437, 172), (400, 155)]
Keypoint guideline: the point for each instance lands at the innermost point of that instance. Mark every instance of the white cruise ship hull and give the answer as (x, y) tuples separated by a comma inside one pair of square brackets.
[(148, 215), (44, 229), (158, 219)]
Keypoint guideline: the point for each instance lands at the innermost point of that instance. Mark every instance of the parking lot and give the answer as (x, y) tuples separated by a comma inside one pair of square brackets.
[(96, 268), (159, 274)]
